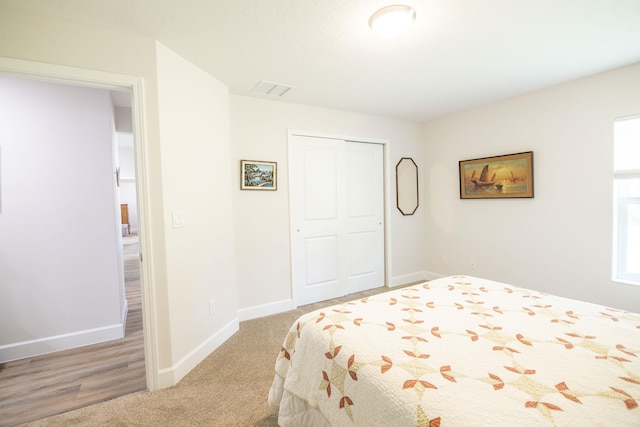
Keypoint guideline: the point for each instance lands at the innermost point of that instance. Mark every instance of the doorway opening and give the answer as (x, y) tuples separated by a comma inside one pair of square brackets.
[(131, 256)]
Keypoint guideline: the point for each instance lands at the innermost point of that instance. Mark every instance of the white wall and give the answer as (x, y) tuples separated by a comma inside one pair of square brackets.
[(123, 119), (182, 276), (194, 129), (559, 241), (59, 271), (259, 132)]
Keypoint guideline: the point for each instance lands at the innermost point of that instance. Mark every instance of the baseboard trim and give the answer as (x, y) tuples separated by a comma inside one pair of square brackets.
[(430, 275), (281, 306), (408, 278), (263, 310), (24, 349), (414, 277), (168, 377), (125, 311)]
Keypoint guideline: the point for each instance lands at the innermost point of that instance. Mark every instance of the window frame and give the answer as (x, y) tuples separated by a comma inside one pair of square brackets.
[(621, 202), (622, 273)]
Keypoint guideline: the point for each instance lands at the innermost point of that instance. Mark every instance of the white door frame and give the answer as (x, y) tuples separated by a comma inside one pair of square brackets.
[(104, 80), (387, 194)]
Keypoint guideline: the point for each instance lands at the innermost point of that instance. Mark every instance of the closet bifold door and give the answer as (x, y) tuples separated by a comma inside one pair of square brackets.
[(336, 206)]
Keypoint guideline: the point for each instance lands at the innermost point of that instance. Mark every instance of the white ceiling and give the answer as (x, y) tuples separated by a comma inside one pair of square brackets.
[(458, 54)]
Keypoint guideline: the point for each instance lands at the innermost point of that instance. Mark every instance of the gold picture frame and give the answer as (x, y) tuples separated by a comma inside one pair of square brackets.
[(498, 177)]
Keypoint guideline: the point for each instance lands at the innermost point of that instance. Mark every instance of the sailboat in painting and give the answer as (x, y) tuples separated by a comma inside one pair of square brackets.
[(483, 181)]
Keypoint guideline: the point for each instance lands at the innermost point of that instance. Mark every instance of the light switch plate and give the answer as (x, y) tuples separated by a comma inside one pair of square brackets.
[(178, 219)]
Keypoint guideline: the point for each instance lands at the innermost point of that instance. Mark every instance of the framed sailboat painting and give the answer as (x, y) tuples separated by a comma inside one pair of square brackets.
[(498, 177)]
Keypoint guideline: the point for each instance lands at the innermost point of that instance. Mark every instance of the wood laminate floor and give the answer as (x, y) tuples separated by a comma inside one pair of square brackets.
[(41, 386)]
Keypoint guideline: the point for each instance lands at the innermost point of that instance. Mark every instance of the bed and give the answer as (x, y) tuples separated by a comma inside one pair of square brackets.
[(460, 351)]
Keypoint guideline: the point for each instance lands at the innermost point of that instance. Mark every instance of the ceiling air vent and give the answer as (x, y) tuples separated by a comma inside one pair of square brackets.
[(272, 89)]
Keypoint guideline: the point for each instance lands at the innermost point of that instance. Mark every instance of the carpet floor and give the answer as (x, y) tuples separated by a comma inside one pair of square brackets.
[(228, 388)]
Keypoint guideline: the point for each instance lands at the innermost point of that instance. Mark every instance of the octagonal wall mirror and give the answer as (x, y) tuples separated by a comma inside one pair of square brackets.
[(407, 186)]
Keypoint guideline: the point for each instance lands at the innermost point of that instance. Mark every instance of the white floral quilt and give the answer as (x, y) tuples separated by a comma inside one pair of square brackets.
[(460, 351)]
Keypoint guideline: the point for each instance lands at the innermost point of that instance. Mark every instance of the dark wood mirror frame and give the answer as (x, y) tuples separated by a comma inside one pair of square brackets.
[(407, 186)]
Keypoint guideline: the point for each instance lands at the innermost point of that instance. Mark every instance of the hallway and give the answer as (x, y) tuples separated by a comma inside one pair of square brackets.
[(50, 384)]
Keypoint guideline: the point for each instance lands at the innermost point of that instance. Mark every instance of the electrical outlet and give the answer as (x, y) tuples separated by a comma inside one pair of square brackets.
[(445, 260), (212, 307), (473, 264)]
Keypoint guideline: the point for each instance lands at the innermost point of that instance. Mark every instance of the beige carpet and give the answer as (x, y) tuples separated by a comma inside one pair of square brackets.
[(229, 388)]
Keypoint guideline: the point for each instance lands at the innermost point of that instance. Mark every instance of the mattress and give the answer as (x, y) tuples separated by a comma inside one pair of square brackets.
[(460, 351)]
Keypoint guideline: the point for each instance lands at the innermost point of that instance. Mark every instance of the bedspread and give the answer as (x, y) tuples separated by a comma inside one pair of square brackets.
[(461, 351)]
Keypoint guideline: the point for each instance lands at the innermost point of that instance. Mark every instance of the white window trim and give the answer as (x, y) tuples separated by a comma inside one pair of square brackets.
[(620, 235), (622, 273)]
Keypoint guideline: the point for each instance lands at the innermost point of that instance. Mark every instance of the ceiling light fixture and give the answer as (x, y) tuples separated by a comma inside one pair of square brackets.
[(393, 20)]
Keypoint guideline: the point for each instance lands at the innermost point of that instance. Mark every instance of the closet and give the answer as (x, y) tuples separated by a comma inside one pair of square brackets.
[(337, 217)]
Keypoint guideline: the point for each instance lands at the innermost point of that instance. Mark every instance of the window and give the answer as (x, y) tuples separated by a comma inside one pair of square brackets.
[(626, 204)]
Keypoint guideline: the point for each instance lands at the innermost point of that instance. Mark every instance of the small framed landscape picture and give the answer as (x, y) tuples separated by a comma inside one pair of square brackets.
[(498, 177), (258, 175)]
